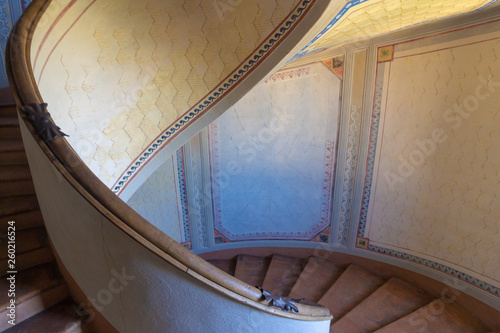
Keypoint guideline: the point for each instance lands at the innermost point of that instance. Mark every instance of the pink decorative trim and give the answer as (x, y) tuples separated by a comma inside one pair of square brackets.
[(289, 74)]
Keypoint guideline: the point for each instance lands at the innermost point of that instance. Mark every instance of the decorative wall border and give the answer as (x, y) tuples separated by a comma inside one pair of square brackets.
[(349, 175), (284, 75), (250, 64), (186, 228), (377, 107), (437, 266)]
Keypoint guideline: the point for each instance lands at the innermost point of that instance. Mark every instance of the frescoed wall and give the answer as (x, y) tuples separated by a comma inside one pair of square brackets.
[(273, 157), (432, 188)]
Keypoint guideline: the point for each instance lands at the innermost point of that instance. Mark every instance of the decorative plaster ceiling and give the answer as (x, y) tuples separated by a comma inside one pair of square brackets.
[(362, 19)]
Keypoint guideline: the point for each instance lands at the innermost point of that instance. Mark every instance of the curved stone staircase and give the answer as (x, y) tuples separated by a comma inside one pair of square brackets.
[(42, 300), (359, 299)]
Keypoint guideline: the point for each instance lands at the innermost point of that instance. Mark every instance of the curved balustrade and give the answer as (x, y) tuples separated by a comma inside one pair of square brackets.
[(136, 276)]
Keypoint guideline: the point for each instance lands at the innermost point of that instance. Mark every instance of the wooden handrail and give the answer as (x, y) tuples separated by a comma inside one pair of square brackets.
[(83, 180)]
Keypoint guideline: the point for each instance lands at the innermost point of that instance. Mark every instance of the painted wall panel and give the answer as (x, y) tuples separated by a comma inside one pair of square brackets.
[(432, 191), (273, 157)]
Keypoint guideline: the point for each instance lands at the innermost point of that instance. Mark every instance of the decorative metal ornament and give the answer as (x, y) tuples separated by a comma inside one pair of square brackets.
[(284, 303), (39, 117)]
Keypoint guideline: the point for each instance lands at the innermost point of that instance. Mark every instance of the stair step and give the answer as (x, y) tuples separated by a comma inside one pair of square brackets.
[(37, 289), (251, 269), (9, 132), (17, 205), (437, 317), (14, 173), (8, 111), (395, 299), (60, 318), (9, 121), (17, 188), (11, 146), (13, 158), (354, 285), (25, 220), (29, 259), (315, 280), (26, 240), (282, 274), (224, 265)]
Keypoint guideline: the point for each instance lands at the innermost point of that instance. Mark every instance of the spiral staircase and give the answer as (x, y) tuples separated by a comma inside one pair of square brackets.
[(359, 299), (54, 279), (43, 303)]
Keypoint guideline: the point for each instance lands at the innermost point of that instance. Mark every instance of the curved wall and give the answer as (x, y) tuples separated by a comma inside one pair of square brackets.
[(133, 286), (136, 67), (416, 169)]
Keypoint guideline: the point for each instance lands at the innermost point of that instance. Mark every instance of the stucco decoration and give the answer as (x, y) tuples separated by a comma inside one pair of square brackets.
[(432, 189), (273, 157), (138, 67), (360, 19)]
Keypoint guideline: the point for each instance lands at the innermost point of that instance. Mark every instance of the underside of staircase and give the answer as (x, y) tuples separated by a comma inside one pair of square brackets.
[(359, 299), (42, 300)]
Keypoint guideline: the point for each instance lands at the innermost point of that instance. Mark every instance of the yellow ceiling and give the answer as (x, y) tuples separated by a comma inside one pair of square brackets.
[(375, 17)]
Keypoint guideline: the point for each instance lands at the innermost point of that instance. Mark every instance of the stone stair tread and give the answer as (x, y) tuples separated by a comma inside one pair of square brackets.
[(439, 316), (227, 266), (24, 220), (393, 300), (251, 269), (13, 158), (14, 173), (60, 318), (282, 274), (8, 110), (9, 121), (17, 205), (26, 240), (10, 132), (315, 280), (17, 188), (29, 259), (11, 145), (37, 289), (354, 285)]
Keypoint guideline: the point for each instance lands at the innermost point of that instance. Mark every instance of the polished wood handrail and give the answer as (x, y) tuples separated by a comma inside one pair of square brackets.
[(83, 180)]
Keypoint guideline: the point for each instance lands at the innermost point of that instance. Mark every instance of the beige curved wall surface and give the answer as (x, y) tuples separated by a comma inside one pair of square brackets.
[(131, 286), (117, 73)]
